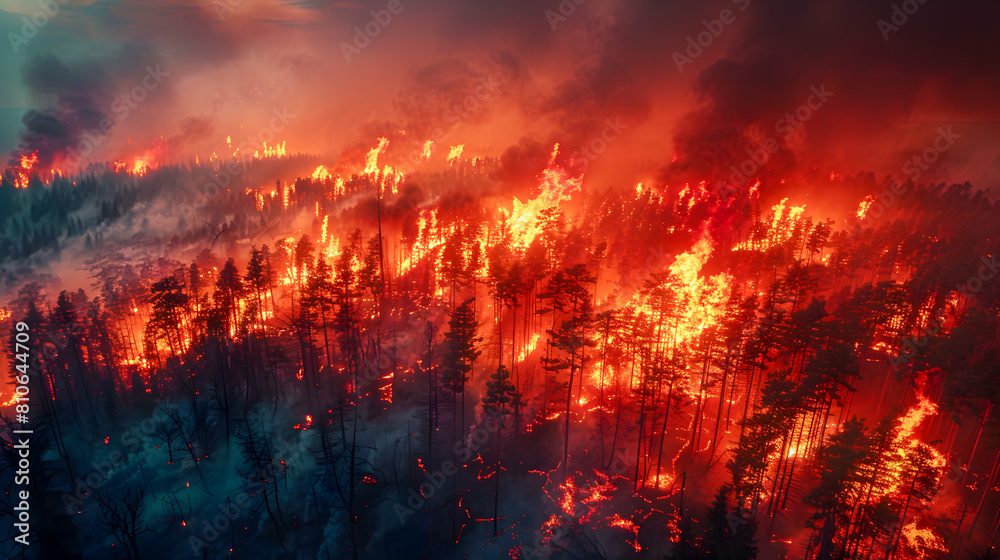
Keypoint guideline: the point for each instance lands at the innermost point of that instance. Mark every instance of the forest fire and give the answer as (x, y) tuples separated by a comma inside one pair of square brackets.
[(525, 221), (458, 290), (674, 323), (22, 173), (141, 165)]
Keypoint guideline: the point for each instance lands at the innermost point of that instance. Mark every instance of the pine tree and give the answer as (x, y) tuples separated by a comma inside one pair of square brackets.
[(840, 464), (228, 289), (169, 304), (572, 300), (500, 392), (460, 350), (718, 532)]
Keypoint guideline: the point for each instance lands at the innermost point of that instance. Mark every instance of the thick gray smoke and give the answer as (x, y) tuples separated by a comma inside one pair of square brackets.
[(895, 73), (75, 102)]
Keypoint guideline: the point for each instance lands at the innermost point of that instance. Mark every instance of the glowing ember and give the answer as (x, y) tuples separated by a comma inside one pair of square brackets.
[(921, 541)]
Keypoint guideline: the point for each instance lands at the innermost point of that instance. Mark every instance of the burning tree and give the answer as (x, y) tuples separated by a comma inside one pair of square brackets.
[(738, 356), (571, 307)]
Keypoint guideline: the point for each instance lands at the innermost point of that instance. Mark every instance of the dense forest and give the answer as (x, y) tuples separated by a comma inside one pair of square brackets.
[(362, 363)]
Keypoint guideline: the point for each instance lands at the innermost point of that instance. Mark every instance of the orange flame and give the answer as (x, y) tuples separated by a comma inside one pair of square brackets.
[(371, 165), (22, 173), (455, 153), (556, 187), (141, 164), (277, 150), (864, 206), (321, 174)]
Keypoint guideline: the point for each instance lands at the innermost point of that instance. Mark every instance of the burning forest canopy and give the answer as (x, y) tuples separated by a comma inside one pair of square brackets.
[(577, 279)]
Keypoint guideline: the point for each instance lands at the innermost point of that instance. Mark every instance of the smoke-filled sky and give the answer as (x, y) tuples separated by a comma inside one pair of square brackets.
[(679, 90)]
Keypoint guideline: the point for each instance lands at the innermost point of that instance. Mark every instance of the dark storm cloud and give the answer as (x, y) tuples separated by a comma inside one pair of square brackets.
[(71, 99), (563, 67), (612, 59), (451, 90), (887, 67), (624, 65), (890, 86)]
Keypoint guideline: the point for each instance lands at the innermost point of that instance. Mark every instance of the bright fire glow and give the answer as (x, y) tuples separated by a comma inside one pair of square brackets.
[(556, 187), (22, 173), (864, 206), (454, 153), (371, 160), (321, 174)]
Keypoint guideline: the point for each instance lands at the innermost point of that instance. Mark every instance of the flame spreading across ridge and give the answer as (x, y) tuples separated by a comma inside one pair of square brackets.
[(556, 187)]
